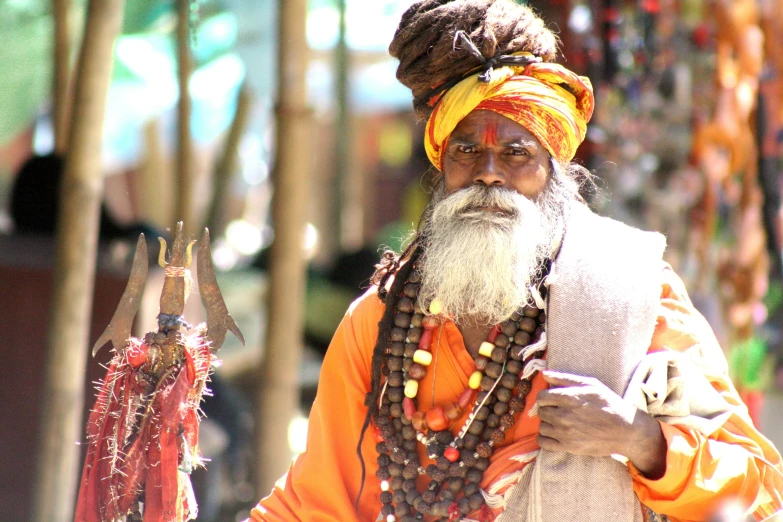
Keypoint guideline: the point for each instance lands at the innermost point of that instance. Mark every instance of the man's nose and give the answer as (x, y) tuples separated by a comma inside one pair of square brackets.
[(488, 171)]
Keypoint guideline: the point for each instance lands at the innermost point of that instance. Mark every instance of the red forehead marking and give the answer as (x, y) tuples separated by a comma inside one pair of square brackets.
[(490, 136)]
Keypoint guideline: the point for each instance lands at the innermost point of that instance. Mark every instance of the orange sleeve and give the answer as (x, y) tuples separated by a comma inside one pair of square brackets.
[(734, 464), (323, 482)]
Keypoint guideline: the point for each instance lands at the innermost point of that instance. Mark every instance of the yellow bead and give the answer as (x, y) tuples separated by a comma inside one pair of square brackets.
[(411, 388), (422, 357), (436, 306), (475, 380), (486, 348)]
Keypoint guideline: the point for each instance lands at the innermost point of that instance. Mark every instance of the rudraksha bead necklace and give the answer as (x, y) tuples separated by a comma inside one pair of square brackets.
[(505, 366)]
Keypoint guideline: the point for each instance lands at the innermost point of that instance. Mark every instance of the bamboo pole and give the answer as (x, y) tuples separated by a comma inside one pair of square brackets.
[(77, 237), (278, 394), (62, 57), (184, 189), (228, 165)]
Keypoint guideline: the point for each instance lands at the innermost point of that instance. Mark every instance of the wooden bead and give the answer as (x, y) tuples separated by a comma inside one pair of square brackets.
[(482, 413), (411, 388), (530, 311), (395, 393), (436, 419), (507, 420), (471, 489), (408, 433), (398, 334), (407, 363), (386, 497), (395, 377), (397, 349), (516, 404), (471, 441), (481, 464), (523, 387), (522, 338), (493, 369), (413, 334), (486, 348), (474, 476), (500, 408), (528, 325), (442, 462), (481, 362), (476, 427), (487, 383), (502, 341), (498, 355), (498, 436), (410, 290), (482, 395), (515, 352), (416, 320), (402, 320), (516, 316), (509, 380), (405, 305), (417, 371), (514, 367), (493, 421), (503, 394), (508, 328), (410, 349), (395, 410), (383, 474), (422, 357), (475, 380), (484, 450)]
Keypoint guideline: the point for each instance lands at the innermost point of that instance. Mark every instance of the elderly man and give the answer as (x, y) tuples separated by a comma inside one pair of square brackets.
[(523, 358)]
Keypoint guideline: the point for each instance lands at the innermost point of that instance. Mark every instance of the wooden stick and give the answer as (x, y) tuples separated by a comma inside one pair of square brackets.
[(62, 68), (278, 394), (77, 237), (228, 165), (184, 189)]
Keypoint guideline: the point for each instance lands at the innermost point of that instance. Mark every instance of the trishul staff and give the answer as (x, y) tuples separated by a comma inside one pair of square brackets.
[(143, 430)]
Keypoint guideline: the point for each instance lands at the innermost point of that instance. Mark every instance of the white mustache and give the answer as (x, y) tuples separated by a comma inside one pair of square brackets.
[(478, 198)]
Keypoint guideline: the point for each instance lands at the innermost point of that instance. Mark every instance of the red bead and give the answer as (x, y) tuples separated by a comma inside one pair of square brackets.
[(451, 453), (408, 407), (419, 421), (430, 322), (377, 434), (452, 411), (493, 334), (426, 340), (468, 396), (436, 419)]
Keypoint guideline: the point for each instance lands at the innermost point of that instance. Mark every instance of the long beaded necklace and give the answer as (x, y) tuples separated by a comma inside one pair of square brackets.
[(506, 364)]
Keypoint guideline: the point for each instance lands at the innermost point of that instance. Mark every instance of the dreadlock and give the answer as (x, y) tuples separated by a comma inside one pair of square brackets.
[(424, 41)]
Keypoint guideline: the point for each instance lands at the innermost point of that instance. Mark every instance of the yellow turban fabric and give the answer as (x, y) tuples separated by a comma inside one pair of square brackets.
[(550, 101)]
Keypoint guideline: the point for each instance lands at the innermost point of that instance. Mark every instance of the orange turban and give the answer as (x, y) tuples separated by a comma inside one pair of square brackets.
[(550, 101)]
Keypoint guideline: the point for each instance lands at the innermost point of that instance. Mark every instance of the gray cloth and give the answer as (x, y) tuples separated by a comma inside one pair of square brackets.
[(604, 297)]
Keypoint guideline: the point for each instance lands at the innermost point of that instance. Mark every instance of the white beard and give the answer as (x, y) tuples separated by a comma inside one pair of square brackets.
[(480, 264)]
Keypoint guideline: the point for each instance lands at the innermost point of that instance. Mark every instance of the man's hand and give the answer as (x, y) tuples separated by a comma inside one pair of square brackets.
[(580, 415)]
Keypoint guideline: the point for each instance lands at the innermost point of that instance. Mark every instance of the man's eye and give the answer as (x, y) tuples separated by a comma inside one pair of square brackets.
[(466, 149), (518, 152)]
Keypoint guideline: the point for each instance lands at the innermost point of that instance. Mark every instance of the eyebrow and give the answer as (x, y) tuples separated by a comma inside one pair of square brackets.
[(523, 142)]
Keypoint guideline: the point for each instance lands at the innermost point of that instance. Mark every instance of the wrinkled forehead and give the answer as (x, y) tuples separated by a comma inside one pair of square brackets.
[(482, 126)]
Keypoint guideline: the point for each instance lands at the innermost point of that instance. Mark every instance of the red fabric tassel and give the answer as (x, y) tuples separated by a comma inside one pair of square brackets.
[(486, 514)]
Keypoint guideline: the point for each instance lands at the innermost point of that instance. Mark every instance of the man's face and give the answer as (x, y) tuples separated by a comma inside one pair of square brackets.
[(489, 149)]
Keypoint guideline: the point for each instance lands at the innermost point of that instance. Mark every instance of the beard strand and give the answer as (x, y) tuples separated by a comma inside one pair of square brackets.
[(481, 263)]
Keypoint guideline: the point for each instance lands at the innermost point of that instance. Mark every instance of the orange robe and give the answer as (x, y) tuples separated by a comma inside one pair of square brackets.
[(736, 462)]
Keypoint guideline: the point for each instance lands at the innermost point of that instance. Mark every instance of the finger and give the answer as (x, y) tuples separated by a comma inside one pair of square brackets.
[(562, 379), (547, 430), (549, 443), (548, 414), (559, 397)]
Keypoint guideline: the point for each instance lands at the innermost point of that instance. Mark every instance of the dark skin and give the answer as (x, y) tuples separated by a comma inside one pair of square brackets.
[(579, 415)]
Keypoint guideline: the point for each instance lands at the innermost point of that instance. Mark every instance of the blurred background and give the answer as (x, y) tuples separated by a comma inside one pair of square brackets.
[(281, 127)]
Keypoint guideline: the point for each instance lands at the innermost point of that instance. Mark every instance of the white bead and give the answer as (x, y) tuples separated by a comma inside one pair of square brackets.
[(385, 485), (391, 518)]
